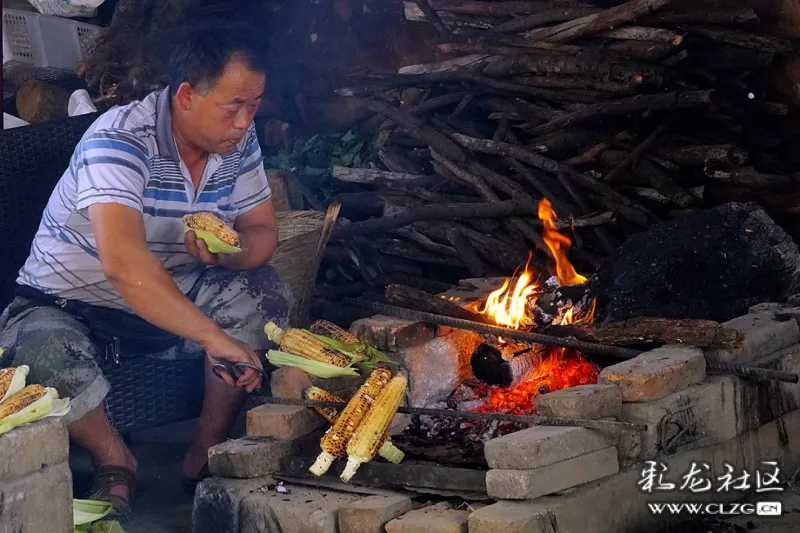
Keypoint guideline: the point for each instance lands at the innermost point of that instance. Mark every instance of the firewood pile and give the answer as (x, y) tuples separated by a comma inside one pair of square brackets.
[(622, 117)]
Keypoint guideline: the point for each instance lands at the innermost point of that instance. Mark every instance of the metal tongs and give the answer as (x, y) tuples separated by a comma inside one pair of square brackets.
[(234, 370)]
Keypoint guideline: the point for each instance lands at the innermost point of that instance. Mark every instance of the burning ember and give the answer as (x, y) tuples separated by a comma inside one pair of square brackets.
[(514, 305)]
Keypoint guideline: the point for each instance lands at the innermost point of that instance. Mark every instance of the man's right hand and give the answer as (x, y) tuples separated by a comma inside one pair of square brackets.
[(224, 348)]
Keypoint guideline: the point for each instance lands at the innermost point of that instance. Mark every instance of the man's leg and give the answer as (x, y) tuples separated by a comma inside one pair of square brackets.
[(241, 302), (60, 354)]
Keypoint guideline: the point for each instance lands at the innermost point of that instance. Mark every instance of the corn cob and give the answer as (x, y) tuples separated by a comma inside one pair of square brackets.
[(12, 380), (331, 330), (334, 442), (211, 223), (388, 451), (21, 400), (367, 439), (302, 343)]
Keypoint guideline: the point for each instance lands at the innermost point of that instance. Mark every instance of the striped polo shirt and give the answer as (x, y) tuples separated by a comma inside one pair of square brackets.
[(128, 156)]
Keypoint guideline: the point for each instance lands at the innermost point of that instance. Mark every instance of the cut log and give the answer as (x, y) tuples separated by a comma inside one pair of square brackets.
[(419, 300), (641, 33), (543, 18), (506, 364), (466, 252), (730, 14), (720, 155), (642, 50), (370, 175), (766, 43), (750, 178), (701, 333), (500, 9)]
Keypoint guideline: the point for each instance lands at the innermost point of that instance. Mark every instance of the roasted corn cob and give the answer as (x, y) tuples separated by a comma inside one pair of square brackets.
[(368, 436), (211, 223), (334, 442), (21, 400), (12, 380), (331, 330), (388, 451), (302, 343)]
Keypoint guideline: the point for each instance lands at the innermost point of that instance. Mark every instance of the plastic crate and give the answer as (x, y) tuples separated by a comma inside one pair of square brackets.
[(46, 41)]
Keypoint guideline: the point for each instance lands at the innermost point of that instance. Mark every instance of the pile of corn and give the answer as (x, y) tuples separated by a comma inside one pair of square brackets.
[(361, 430), (21, 404)]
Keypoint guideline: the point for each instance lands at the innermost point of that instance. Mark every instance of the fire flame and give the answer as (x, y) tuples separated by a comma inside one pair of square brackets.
[(558, 245), (510, 308)]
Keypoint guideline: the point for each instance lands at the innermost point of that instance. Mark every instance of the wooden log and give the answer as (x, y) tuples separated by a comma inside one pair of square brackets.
[(701, 333), (425, 242), (750, 178), (576, 82), (506, 364), (500, 9), (466, 252), (597, 22), (651, 175), (652, 195), (729, 15), (755, 41), (40, 101), (631, 160), (626, 106), (418, 300), (543, 18), (402, 248), (719, 155), (642, 33), (370, 175), (641, 50), (433, 17)]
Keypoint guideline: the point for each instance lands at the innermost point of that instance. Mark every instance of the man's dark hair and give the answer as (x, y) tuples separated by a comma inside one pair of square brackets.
[(199, 53)]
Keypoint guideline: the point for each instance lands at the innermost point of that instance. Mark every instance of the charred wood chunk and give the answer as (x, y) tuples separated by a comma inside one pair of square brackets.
[(713, 265), (506, 364)]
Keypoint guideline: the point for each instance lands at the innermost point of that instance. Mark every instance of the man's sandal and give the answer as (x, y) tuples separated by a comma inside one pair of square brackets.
[(108, 477)]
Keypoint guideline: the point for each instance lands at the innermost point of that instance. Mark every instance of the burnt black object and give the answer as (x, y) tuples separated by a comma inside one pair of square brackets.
[(489, 365), (713, 265)]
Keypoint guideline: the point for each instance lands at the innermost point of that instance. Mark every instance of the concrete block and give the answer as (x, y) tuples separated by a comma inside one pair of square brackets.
[(284, 422), (511, 517), (584, 401), (302, 510), (763, 335), (248, 459), (657, 373), (30, 447), (217, 502), (370, 515), (390, 333), (431, 519), (541, 446), (40, 502), (289, 382), (529, 484), (702, 415)]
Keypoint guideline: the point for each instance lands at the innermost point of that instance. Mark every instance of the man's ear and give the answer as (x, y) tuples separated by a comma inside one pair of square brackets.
[(185, 96)]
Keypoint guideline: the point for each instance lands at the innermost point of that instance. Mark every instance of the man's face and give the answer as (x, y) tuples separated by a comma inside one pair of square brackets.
[(218, 118)]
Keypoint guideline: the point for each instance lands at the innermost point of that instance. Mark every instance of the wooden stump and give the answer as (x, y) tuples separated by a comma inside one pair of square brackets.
[(39, 101)]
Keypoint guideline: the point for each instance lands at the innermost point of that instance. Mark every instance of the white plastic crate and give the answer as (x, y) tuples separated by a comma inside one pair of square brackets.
[(46, 41)]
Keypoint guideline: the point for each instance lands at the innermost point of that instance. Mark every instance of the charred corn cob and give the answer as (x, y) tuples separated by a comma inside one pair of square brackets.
[(12, 380), (367, 439), (388, 451), (21, 400), (211, 223), (302, 343), (329, 329), (334, 442)]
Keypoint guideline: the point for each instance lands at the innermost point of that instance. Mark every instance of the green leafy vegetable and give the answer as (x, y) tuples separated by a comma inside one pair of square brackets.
[(315, 368)]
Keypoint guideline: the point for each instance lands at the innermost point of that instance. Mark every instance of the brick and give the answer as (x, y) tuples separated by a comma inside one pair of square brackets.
[(431, 519), (217, 503), (33, 446), (763, 335), (529, 484), (511, 517), (40, 502), (391, 334), (302, 510), (370, 515), (705, 414), (284, 422), (541, 446), (289, 382), (584, 401), (247, 459), (657, 373)]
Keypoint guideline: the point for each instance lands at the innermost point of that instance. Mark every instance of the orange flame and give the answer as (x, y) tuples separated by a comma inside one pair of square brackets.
[(558, 245), (510, 308)]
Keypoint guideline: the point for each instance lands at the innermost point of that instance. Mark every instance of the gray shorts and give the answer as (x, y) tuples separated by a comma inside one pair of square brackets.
[(60, 353)]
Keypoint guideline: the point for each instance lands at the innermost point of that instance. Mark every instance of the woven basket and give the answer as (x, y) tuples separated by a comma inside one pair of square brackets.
[(302, 238)]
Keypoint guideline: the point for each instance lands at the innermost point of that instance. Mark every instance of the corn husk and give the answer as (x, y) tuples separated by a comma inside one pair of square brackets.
[(17, 382), (315, 368), (48, 405), (214, 244), (87, 511), (361, 353)]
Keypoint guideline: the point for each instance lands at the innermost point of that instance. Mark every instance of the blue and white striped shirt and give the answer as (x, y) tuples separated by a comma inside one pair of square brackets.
[(128, 156)]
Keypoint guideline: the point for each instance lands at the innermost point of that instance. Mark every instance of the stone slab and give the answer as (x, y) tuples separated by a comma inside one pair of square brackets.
[(541, 446), (247, 459), (40, 502), (657, 373), (581, 402), (302, 510), (511, 517), (28, 448), (289, 382), (282, 421), (701, 415), (763, 335), (217, 501), (390, 333), (370, 515), (431, 519)]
